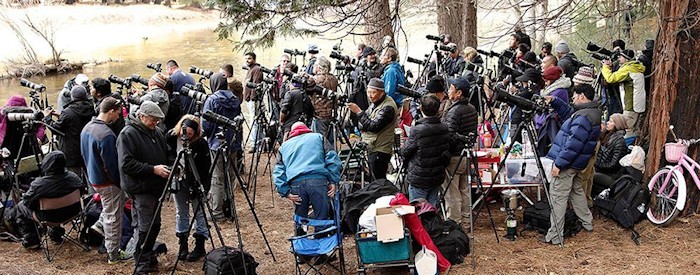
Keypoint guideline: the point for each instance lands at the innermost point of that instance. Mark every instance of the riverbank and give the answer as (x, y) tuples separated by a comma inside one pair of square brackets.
[(83, 31)]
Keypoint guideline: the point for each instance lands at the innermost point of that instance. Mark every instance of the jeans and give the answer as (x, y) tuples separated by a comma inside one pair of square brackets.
[(111, 217), (379, 164), (429, 194), (253, 137), (183, 202), (217, 193), (314, 193)]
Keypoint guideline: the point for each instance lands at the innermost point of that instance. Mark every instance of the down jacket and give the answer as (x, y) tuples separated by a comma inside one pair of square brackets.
[(608, 158), (71, 122), (427, 153), (460, 118), (576, 141)]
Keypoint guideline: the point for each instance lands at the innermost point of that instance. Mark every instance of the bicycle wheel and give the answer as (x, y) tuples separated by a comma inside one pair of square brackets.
[(667, 203)]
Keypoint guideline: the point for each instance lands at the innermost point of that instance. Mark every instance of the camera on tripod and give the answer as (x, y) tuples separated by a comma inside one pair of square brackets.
[(347, 68), (302, 80), (474, 68), (294, 52), (338, 56), (125, 82), (156, 67), (416, 60), (538, 104), (31, 85), (234, 124), (408, 92), (438, 38), (205, 73), (139, 79), (601, 53), (196, 92), (469, 139), (447, 48), (488, 53), (22, 113)]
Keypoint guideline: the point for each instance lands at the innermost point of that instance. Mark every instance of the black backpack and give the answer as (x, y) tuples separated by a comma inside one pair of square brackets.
[(217, 262), (626, 202), (448, 236), (536, 217)]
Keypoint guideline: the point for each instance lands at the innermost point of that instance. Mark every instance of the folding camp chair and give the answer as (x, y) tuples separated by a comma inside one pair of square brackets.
[(318, 249), (52, 213)]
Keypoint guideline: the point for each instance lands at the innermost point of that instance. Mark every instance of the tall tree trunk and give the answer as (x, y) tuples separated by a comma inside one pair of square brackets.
[(674, 97), (449, 19), (469, 25), (377, 21)]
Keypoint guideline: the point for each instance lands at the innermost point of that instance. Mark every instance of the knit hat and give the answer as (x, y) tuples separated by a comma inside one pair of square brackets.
[(368, 51), (376, 83), (109, 103), (460, 83), (628, 54), (552, 73), (436, 84), (530, 58), (149, 108), (158, 79), (78, 93), (584, 76), (562, 47), (619, 120), (619, 43), (299, 128)]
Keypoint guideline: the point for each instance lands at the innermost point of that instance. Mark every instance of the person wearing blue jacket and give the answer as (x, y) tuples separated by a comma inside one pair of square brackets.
[(393, 74), (222, 102), (306, 171), (571, 150)]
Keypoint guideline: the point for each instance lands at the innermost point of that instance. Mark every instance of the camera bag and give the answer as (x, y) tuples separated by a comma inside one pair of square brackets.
[(228, 261), (626, 202), (536, 217)]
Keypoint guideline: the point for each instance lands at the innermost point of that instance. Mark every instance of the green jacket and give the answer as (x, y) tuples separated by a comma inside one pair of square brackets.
[(622, 76)]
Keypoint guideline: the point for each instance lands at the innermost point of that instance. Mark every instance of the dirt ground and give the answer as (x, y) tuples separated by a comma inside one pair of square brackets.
[(608, 249)]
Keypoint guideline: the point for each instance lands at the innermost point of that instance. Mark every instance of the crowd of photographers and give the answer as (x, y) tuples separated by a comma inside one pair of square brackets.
[(128, 145)]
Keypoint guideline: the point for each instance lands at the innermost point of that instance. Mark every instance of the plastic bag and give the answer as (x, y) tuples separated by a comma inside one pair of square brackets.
[(367, 218), (634, 159)]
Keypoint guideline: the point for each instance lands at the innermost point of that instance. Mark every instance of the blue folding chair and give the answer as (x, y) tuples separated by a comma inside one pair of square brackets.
[(319, 249)]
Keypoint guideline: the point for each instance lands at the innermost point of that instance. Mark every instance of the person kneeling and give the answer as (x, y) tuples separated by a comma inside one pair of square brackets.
[(307, 170), (426, 152)]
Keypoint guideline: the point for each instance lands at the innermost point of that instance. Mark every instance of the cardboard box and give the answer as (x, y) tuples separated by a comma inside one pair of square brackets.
[(390, 223)]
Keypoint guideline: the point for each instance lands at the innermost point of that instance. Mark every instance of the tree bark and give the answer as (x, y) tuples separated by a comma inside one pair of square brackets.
[(449, 19), (674, 97), (377, 22), (469, 25)]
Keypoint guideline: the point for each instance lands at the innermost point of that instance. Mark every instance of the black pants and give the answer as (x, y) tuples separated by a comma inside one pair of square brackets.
[(379, 164)]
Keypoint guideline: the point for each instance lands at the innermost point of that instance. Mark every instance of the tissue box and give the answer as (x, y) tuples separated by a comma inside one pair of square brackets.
[(526, 171)]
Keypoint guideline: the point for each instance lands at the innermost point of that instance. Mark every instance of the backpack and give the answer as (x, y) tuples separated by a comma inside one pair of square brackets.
[(626, 202), (92, 214), (536, 217), (9, 228), (216, 262), (448, 236)]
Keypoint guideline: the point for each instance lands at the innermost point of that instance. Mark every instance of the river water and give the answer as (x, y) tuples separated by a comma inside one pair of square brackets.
[(198, 48)]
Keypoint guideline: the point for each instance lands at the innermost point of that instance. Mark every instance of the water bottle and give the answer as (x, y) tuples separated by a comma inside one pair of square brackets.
[(488, 140), (527, 147)]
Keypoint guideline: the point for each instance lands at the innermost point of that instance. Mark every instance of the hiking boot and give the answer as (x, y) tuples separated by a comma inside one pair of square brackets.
[(198, 252), (98, 228), (120, 257), (31, 244), (183, 250)]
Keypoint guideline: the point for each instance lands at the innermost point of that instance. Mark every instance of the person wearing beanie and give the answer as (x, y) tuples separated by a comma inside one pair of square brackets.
[(461, 118), (567, 60), (143, 158), (64, 96), (76, 114), (585, 75), (98, 146), (156, 94), (306, 172), (630, 71), (377, 126), (323, 105), (612, 149)]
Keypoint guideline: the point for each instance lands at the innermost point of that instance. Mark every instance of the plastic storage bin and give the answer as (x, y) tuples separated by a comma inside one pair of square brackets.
[(526, 171), (370, 251)]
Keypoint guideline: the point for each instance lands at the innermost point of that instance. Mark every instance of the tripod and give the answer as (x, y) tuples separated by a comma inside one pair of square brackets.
[(473, 173), (262, 126), (185, 158), (527, 125)]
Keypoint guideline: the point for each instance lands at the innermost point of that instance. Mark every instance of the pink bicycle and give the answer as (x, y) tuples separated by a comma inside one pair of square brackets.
[(668, 186)]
